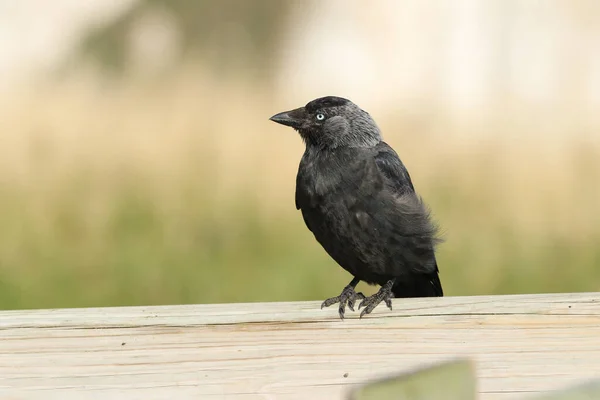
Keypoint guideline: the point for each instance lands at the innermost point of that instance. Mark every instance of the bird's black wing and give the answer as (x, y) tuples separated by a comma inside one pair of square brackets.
[(392, 168), (401, 211), (426, 282)]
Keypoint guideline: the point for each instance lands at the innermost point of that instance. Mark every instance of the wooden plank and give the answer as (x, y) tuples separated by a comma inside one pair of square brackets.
[(521, 345)]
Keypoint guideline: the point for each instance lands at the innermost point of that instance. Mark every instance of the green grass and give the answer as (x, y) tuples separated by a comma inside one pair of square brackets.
[(140, 253)]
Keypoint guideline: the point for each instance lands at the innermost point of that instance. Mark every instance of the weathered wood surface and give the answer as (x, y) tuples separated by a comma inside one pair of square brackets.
[(521, 344)]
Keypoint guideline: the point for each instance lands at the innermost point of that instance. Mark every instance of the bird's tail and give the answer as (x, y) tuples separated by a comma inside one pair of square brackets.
[(419, 285)]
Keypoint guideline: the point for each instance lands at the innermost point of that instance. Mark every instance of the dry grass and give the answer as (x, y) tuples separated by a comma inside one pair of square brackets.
[(183, 192)]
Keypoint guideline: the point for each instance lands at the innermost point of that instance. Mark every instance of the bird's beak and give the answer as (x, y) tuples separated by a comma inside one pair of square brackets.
[(291, 118)]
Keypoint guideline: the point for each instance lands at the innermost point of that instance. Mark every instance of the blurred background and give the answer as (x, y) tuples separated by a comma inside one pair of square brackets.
[(138, 164)]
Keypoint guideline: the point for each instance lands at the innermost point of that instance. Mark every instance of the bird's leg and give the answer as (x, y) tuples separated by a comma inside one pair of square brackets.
[(348, 296), (384, 294)]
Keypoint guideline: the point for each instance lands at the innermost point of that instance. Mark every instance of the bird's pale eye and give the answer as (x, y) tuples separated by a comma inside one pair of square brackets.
[(320, 117)]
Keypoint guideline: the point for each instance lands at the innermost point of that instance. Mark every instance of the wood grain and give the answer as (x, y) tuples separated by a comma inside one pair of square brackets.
[(523, 344)]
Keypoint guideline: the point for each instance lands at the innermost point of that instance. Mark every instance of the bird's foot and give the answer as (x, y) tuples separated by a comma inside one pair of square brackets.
[(384, 294), (347, 297)]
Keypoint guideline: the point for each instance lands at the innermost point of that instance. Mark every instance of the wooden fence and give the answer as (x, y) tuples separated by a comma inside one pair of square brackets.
[(520, 345)]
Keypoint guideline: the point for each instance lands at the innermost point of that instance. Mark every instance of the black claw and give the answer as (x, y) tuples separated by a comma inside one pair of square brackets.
[(351, 304), (362, 303), (384, 294), (346, 298), (388, 303)]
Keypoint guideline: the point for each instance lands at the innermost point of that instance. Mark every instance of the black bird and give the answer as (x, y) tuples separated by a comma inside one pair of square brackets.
[(358, 200)]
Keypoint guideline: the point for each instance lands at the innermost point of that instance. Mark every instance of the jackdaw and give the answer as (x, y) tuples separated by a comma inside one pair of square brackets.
[(358, 200)]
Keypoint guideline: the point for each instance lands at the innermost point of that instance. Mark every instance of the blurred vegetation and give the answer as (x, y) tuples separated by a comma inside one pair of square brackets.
[(181, 191), (133, 197), (228, 35)]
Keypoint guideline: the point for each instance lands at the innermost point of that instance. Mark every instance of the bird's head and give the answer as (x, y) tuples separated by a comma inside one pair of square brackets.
[(330, 122)]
